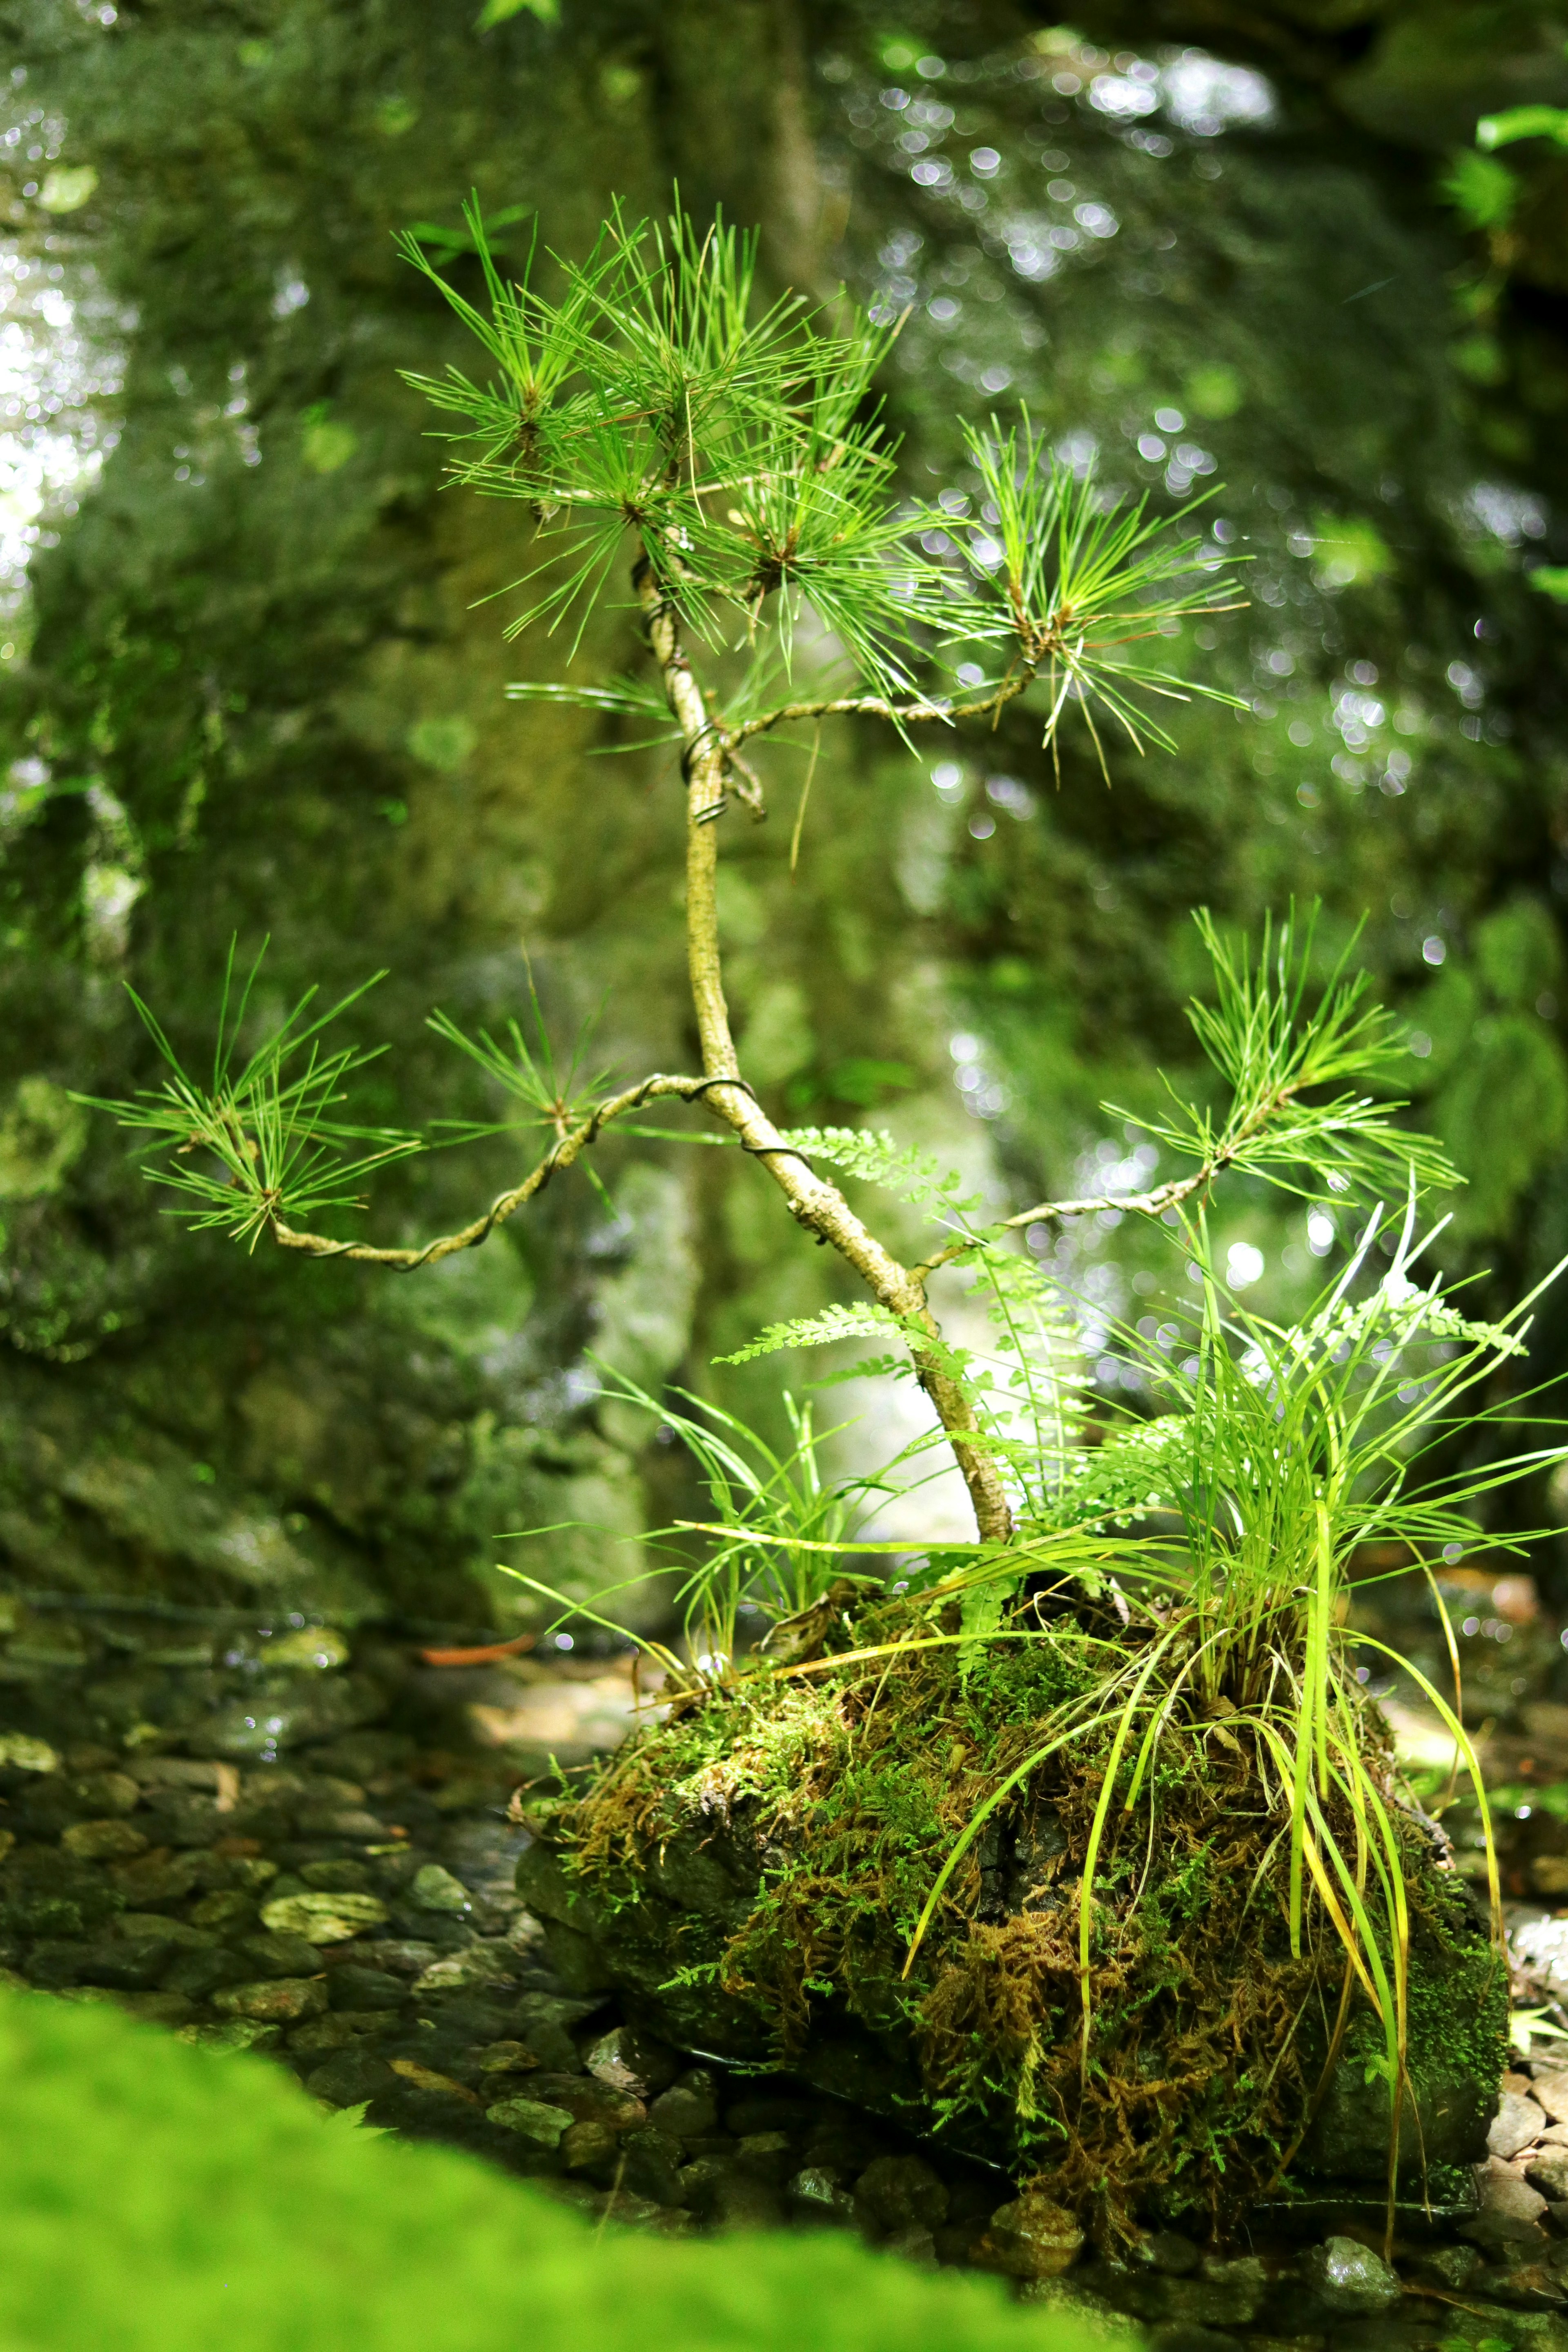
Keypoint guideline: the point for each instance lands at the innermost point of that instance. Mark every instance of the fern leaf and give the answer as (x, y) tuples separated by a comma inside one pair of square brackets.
[(873, 1154), (857, 1322)]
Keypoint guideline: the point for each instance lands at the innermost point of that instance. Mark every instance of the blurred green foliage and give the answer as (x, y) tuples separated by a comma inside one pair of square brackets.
[(158, 2198)]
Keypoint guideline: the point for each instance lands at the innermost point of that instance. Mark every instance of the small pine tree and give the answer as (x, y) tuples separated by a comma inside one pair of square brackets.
[(658, 408)]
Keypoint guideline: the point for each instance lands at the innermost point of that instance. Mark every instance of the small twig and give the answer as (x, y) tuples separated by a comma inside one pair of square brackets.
[(1152, 1204)]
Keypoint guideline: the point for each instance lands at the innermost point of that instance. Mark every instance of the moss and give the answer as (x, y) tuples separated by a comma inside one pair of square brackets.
[(167, 2200), (779, 1843)]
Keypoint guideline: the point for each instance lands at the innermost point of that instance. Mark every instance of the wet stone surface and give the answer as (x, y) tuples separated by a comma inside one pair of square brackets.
[(346, 1907)]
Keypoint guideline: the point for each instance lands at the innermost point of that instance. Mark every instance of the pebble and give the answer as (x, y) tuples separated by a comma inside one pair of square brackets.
[(586, 2144), (689, 2108), (815, 2194), (105, 1841), (325, 1918), (436, 1889), (241, 2033), (508, 2058), (1347, 2278), (1030, 2238), (532, 2119), (351, 1987), (350, 2078), (632, 2061), (1512, 2212), (1517, 2123), (274, 1999), (902, 2192), (426, 2078)]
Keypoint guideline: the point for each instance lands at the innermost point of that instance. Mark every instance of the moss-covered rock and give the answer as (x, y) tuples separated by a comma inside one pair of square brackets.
[(759, 1877)]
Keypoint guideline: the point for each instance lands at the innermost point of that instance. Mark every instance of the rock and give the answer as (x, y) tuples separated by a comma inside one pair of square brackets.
[(350, 2078), (689, 2109), (1167, 2252), (588, 2101), (436, 1889), (151, 2008), (354, 1988), (652, 2166), (902, 2192), (816, 2194), (633, 2062), (1518, 2124), (272, 1955), (1030, 2238), (340, 1822), (339, 1877), (279, 2001), (587, 2144), (912, 2245), (200, 1973), (1540, 1950), (317, 1648), (479, 1964), (105, 1841), (226, 1906), (1349, 2279), (1549, 2174), (325, 1918), (1550, 2087), (399, 1955), (545, 2126), (426, 2078), (159, 1877), (1093, 2321), (240, 2033), (1452, 2267), (766, 2155), (508, 2058), (1511, 2212)]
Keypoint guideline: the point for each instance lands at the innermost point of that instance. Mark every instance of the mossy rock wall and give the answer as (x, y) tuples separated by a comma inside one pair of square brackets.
[(252, 692)]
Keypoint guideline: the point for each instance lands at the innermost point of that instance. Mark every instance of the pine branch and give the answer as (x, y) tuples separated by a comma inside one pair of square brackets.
[(1275, 1054), (569, 1148)]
